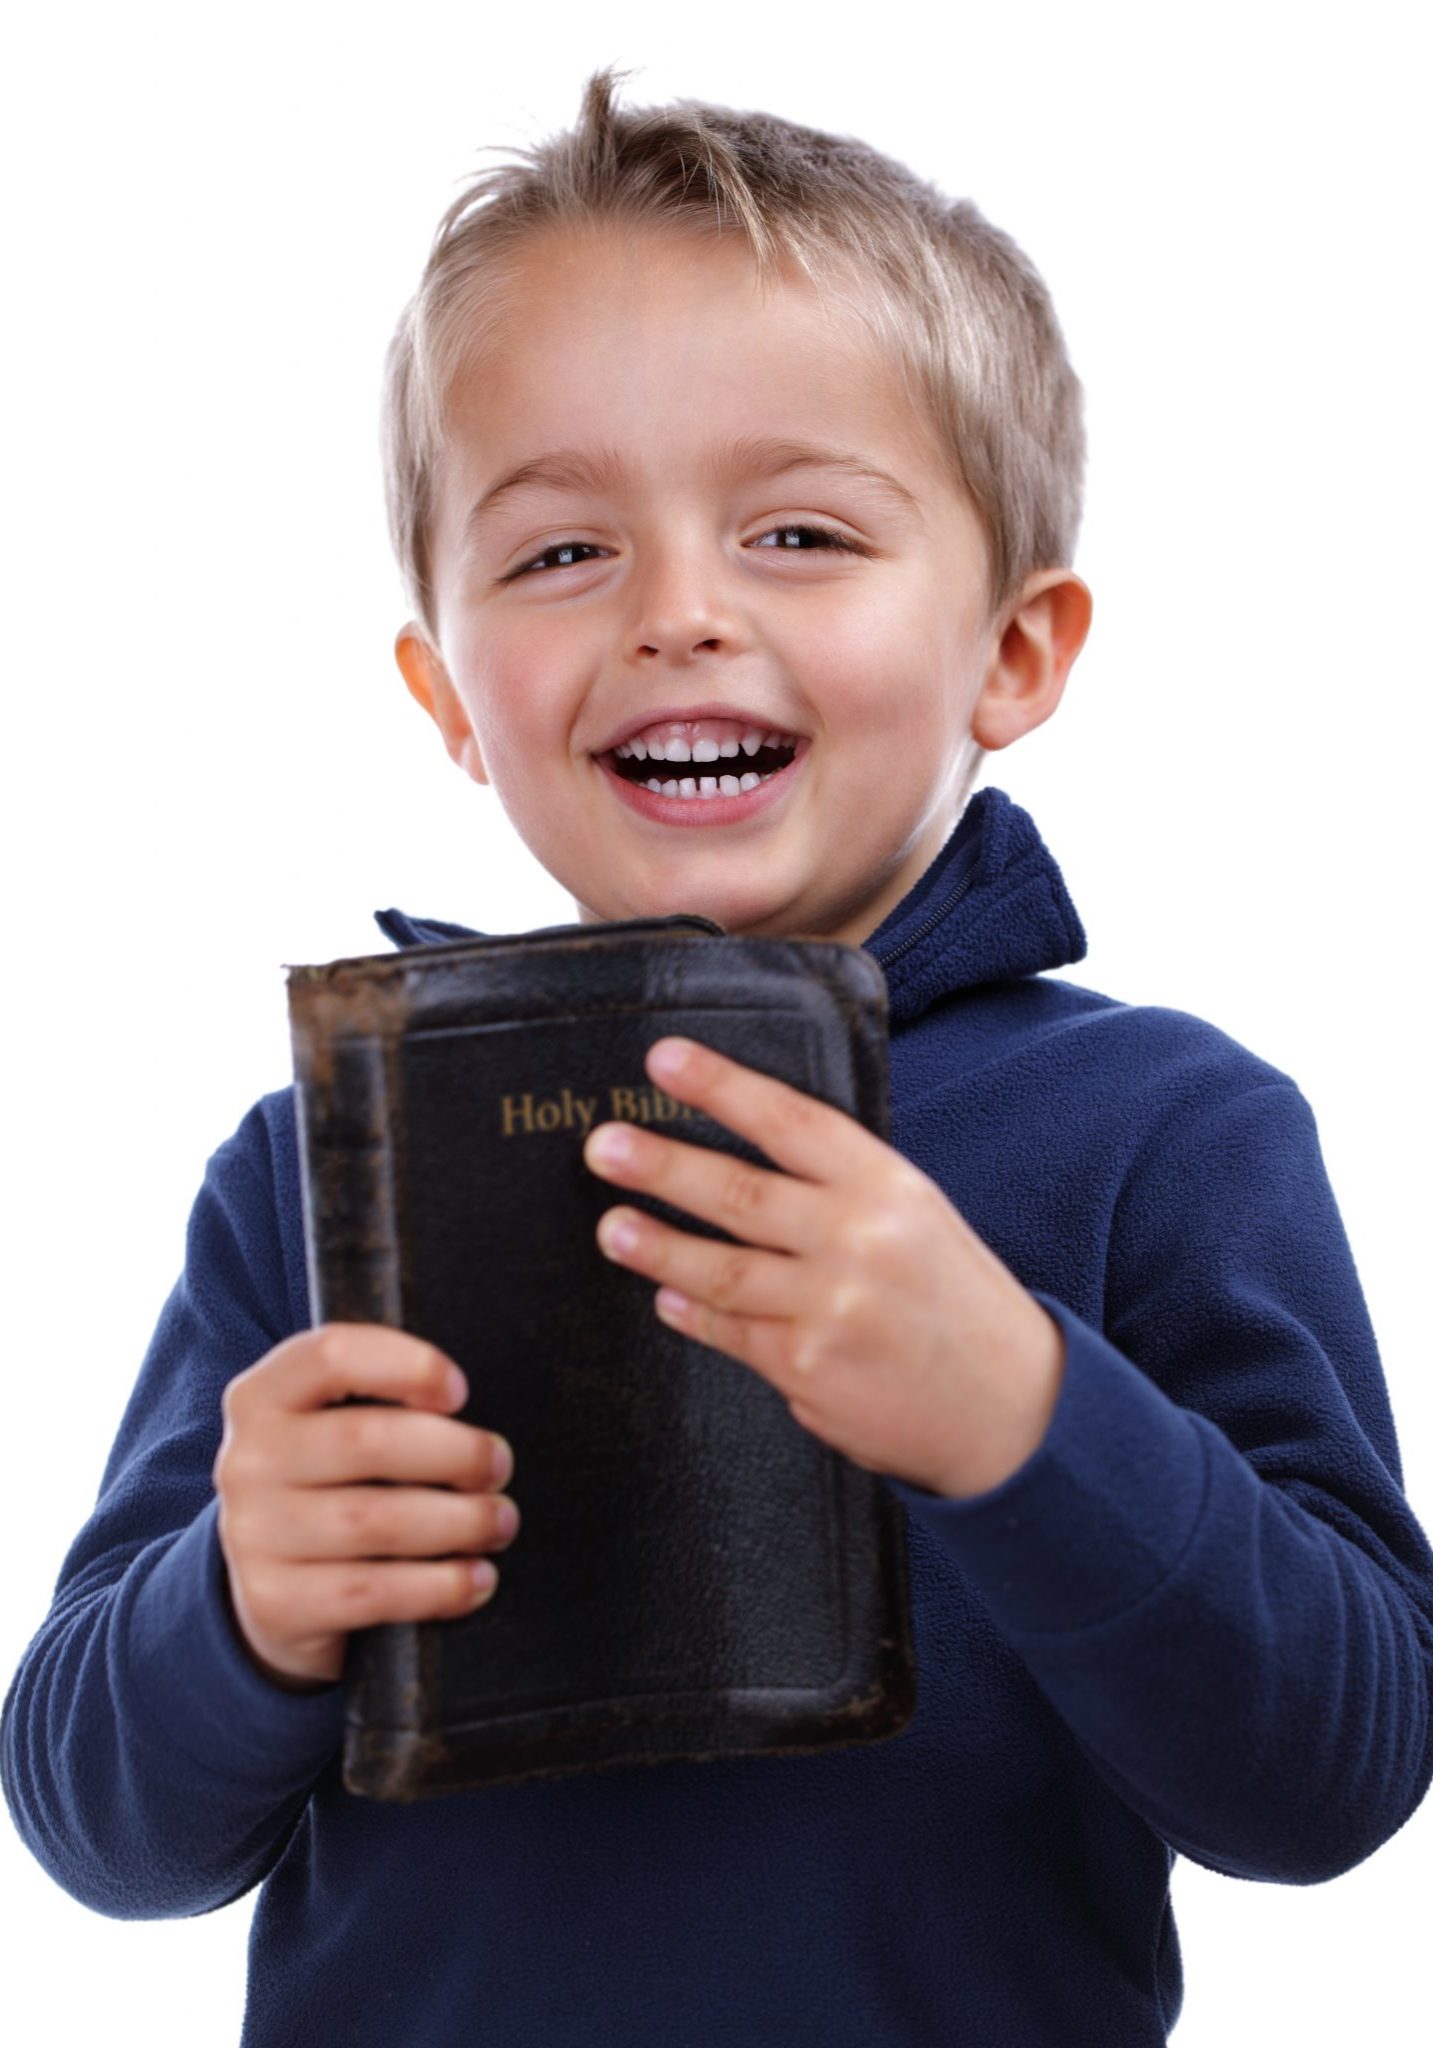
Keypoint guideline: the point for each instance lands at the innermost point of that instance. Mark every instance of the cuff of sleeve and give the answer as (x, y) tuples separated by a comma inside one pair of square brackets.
[(1100, 1512), (198, 1683)]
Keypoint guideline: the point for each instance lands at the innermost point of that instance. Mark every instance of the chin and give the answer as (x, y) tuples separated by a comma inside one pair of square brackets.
[(734, 916)]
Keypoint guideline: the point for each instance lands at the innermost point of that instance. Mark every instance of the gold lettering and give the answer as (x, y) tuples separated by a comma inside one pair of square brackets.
[(513, 1116), (666, 1109), (524, 1114), (577, 1111)]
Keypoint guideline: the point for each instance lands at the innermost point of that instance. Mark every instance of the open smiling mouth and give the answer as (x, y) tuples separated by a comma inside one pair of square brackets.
[(696, 781)]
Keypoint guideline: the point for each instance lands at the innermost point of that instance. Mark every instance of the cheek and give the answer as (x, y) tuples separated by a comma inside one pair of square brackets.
[(877, 694), (513, 708)]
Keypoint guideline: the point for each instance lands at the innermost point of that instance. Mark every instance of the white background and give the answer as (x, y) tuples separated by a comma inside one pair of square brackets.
[(212, 218)]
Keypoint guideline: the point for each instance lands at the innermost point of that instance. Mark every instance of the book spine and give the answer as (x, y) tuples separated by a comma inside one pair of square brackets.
[(349, 1197), (346, 1123)]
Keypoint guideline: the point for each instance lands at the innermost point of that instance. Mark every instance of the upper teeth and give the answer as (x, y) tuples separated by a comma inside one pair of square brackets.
[(705, 740)]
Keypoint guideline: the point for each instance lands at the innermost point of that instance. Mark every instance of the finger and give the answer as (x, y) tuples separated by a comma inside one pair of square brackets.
[(803, 1136), (315, 1367), (769, 1344), (341, 1445), (389, 1521), (316, 1599), (751, 1202), (735, 1277)]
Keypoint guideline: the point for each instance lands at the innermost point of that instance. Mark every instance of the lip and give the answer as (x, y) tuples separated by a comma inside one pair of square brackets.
[(692, 711), (707, 810)]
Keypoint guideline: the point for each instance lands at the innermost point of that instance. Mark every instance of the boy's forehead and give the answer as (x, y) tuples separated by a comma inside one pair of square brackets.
[(630, 300), (604, 344), (556, 259), (622, 294)]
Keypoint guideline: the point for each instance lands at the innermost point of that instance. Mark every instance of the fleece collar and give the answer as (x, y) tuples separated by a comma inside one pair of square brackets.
[(992, 906)]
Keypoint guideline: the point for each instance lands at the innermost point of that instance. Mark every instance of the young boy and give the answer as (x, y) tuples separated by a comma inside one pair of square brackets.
[(735, 476)]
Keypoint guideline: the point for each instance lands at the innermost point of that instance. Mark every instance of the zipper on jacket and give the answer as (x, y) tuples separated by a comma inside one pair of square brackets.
[(946, 905)]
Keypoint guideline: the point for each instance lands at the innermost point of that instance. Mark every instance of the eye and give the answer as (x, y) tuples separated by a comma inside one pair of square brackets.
[(561, 547), (827, 535)]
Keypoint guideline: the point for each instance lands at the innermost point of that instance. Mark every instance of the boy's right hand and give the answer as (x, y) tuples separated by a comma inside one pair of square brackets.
[(308, 1545)]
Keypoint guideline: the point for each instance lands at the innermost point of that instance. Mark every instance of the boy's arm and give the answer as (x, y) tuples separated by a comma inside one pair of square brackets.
[(1208, 1564), (150, 1766), (1194, 1531)]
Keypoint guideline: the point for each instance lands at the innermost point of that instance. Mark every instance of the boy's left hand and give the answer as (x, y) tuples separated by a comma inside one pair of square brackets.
[(893, 1331)]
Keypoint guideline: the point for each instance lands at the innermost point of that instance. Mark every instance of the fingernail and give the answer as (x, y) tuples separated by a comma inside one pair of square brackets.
[(610, 1144), (616, 1233), (669, 1055), (457, 1387)]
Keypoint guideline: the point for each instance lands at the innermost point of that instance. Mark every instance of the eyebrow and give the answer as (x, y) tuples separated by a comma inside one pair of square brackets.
[(754, 456)]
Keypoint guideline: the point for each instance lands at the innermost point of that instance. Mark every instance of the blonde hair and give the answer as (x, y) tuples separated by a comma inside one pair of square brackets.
[(962, 313)]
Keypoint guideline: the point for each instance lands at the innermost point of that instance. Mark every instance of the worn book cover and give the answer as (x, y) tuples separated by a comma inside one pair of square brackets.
[(696, 1575)]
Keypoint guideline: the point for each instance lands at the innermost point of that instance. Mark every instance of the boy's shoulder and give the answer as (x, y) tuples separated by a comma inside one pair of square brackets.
[(262, 1147), (1158, 1036), (251, 1202), (1096, 1088), (1173, 1051), (1088, 1035)]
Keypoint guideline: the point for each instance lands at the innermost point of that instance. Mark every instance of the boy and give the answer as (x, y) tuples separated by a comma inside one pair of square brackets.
[(1092, 1313)]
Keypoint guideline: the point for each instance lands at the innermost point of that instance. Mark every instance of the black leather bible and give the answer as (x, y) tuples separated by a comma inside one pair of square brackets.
[(696, 1575)]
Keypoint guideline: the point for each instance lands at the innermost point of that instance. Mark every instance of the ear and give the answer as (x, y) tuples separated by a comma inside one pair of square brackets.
[(429, 682), (1034, 654)]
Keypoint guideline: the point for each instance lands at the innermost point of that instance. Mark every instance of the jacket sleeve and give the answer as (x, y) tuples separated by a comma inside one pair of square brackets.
[(150, 1766), (1209, 1564)]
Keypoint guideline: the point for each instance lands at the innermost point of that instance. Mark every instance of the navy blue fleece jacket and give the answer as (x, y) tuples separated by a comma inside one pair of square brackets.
[(1199, 1619)]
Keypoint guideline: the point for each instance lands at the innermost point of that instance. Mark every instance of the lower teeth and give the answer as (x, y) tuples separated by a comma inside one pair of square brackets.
[(707, 785)]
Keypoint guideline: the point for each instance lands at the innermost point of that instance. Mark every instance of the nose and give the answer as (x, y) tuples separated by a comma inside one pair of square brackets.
[(670, 644), (681, 607)]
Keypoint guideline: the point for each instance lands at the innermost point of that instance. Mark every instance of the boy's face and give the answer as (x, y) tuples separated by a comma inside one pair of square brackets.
[(678, 586)]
